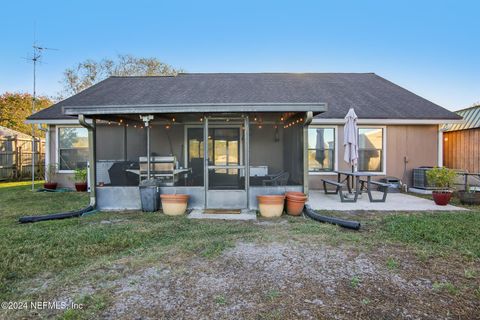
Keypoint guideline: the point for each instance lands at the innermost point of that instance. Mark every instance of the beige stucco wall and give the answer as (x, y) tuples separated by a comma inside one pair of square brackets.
[(418, 143)]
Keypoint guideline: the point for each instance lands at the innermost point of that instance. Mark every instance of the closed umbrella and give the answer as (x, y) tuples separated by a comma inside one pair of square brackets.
[(320, 147), (350, 139)]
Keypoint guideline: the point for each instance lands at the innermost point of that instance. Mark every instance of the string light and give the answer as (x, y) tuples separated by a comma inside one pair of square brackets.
[(173, 119)]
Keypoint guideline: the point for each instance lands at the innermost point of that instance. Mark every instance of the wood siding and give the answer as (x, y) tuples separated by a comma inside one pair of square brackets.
[(461, 150)]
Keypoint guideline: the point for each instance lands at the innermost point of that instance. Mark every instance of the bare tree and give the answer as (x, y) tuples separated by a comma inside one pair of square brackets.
[(89, 72)]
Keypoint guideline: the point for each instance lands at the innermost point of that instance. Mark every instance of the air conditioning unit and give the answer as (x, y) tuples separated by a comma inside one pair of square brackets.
[(420, 178)]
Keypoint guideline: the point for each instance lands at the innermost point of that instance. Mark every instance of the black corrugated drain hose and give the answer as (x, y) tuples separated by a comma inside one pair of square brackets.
[(349, 224), (56, 216)]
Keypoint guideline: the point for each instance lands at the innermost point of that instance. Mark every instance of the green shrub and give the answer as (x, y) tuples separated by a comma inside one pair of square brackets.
[(441, 177)]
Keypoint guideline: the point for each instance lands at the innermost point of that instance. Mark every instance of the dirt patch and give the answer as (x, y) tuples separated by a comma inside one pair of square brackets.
[(293, 280)]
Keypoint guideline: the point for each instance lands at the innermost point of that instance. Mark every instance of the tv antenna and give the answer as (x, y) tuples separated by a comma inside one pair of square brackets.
[(36, 57)]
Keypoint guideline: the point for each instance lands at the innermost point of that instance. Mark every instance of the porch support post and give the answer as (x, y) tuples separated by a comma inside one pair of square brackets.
[(306, 123), (205, 157), (148, 152), (146, 120), (247, 158)]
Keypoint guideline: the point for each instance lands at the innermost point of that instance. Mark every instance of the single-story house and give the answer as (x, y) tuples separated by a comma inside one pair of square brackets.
[(461, 141), (266, 133)]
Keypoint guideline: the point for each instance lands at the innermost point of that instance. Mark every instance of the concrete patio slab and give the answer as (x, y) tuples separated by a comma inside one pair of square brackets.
[(318, 200)]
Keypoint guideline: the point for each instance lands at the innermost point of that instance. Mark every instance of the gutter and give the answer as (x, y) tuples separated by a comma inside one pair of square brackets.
[(91, 157)]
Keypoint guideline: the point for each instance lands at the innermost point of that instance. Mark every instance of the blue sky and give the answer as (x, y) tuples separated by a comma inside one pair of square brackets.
[(429, 47)]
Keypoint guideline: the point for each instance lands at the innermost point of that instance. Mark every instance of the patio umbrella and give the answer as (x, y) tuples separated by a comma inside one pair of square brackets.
[(350, 139), (320, 146)]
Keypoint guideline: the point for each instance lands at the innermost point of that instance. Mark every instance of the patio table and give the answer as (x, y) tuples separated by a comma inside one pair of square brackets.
[(355, 176)]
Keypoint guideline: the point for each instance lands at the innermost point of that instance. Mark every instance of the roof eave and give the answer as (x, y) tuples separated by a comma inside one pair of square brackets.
[(195, 108)]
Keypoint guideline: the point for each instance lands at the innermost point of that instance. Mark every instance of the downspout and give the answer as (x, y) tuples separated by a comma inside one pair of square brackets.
[(440, 146), (306, 123), (47, 149), (91, 157)]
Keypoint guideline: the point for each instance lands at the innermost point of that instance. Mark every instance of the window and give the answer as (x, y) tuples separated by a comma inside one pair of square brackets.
[(72, 148), (370, 149), (321, 149)]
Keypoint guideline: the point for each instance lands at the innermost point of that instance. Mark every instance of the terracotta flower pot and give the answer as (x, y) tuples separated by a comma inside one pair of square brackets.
[(295, 203), (271, 206), (50, 185), (81, 186), (441, 198), (174, 204)]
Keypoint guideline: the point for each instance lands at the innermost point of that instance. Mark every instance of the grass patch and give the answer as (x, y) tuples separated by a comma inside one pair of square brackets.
[(445, 287), (449, 231), (355, 282), (64, 253), (392, 264)]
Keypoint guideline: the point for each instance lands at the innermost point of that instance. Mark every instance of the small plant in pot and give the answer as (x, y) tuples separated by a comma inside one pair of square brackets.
[(441, 178), (470, 196), (80, 177), (50, 176)]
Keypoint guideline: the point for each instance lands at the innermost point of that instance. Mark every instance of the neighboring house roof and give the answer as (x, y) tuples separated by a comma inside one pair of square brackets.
[(471, 117), (372, 96), (7, 132)]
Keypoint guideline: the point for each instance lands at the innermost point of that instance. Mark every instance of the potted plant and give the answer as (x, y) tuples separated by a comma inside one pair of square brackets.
[(441, 178), (295, 202), (80, 177), (50, 175), (469, 196), (174, 204), (271, 206)]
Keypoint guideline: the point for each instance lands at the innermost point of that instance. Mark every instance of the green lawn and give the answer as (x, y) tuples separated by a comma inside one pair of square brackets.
[(64, 251)]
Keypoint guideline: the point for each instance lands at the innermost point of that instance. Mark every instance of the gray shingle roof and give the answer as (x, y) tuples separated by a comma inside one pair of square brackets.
[(371, 95), (471, 117)]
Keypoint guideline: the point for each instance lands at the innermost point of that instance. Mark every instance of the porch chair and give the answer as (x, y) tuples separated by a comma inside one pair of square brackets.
[(280, 179)]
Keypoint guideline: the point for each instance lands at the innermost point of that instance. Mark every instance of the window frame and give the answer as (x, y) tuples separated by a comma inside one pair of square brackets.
[(384, 146), (335, 153), (57, 145)]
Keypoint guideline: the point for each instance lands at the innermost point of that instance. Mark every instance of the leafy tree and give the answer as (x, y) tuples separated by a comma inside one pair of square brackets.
[(89, 72), (16, 107)]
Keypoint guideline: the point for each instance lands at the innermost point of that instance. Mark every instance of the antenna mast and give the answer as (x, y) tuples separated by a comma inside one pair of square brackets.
[(37, 54)]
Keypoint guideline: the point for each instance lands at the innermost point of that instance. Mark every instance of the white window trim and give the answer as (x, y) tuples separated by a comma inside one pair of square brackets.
[(335, 164), (57, 146), (384, 146)]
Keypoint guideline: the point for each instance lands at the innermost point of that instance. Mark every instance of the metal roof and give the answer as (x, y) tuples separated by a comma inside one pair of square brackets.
[(471, 119), (372, 96)]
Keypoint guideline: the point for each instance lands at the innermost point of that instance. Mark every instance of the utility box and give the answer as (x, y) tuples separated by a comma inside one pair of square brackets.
[(393, 184), (150, 195)]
